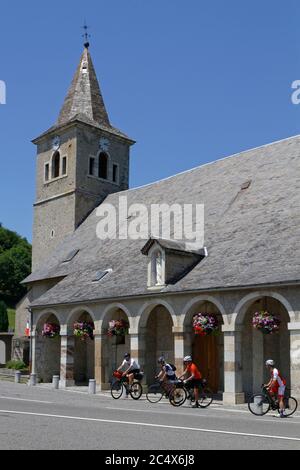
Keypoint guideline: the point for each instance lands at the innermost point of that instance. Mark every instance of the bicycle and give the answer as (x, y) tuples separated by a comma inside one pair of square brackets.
[(157, 391), (121, 385), (205, 394), (260, 404)]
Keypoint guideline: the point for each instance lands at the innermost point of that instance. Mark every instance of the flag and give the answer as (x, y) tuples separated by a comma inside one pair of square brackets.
[(27, 329)]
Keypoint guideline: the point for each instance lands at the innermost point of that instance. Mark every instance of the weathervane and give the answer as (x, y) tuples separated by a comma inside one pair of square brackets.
[(86, 35)]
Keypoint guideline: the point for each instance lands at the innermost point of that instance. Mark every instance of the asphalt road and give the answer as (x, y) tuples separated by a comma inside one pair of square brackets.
[(38, 418)]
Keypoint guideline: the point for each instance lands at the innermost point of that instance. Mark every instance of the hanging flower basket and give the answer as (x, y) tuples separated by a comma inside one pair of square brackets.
[(205, 324), (84, 330), (50, 330), (118, 328), (266, 322)]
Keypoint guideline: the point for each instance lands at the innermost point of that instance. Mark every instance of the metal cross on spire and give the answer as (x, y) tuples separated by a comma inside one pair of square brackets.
[(86, 35)]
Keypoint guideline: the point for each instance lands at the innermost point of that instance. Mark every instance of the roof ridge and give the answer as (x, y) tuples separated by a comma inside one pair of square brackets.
[(211, 163)]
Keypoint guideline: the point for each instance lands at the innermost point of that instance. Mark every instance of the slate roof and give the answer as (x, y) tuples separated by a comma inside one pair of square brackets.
[(252, 235), (84, 102)]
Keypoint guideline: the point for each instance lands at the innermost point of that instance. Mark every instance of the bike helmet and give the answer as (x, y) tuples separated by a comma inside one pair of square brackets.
[(126, 356), (161, 360), (270, 362), (187, 359)]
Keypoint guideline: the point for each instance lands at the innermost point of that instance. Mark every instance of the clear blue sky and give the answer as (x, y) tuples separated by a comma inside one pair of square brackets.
[(191, 80)]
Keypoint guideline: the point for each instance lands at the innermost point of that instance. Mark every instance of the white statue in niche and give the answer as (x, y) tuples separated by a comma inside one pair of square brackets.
[(158, 269)]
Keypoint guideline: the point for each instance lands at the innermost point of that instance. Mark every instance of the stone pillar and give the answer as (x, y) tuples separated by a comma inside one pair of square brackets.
[(258, 360), (99, 360), (179, 337), (33, 351), (138, 346), (188, 338), (295, 359), (67, 359), (233, 380)]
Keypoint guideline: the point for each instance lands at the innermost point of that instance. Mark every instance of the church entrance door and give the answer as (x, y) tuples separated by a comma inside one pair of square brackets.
[(206, 357)]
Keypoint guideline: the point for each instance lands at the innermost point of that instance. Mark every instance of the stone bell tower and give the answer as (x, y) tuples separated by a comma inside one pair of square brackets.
[(80, 160)]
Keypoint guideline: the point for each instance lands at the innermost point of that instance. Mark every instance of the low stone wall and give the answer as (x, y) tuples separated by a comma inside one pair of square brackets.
[(5, 347), (11, 372)]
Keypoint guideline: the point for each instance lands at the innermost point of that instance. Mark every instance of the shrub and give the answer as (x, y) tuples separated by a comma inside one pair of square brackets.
[(16, 365)]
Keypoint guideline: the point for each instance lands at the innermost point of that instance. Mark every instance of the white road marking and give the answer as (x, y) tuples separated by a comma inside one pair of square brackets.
[(289, 420), (152, 425), (23, 399)]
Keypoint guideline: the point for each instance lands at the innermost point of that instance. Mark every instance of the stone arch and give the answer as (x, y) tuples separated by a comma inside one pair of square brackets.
[(111, 308), (200, 299), (42, 317), (84, 347), (147, 308), (207, 351), (245, 302), (47, 349), (256, 346), (156, 337), (2, 352), (113, 348), (78, 311)]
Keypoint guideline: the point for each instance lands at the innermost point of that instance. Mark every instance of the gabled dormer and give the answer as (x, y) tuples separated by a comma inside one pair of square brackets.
[(170, 260)]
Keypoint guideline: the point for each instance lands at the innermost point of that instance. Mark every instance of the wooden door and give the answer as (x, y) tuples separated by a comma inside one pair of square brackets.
[(205, 356)]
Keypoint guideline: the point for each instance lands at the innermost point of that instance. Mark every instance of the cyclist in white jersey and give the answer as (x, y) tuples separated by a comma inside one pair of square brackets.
[(131, 367)]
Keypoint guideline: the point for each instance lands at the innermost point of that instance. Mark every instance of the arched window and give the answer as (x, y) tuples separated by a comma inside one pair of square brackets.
[(157, 268), (103, 166), (55, 165)]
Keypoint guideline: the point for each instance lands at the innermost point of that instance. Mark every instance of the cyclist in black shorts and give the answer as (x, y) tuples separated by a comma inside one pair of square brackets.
[(193, 377)]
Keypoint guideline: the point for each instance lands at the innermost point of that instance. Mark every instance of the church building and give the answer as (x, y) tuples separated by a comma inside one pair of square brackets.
[(83, 288)]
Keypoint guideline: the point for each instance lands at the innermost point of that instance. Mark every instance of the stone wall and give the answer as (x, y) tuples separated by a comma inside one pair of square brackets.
[(5, 347)]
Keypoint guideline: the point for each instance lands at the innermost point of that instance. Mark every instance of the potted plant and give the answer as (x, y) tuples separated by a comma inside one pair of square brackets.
[(118, 328), (205, 324), (84, 330), (50, 330), (266, 322)]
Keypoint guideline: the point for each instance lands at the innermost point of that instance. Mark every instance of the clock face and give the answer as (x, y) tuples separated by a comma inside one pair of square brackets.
[(104, 144), (56, 143)]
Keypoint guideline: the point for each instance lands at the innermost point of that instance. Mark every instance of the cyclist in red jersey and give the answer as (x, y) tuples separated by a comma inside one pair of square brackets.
[(193, 377), (276, 386)]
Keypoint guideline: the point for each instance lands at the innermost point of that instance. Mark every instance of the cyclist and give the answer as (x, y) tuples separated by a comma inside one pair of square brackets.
[(166, 375), (193, 379), (276, 386), (131, 367)]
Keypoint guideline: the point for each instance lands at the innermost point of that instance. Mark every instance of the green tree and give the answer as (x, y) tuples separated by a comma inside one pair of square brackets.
[(3, 317), (15, 265)]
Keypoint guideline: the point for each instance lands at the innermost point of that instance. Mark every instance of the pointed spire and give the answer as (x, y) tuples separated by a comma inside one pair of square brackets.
[(84, 97)]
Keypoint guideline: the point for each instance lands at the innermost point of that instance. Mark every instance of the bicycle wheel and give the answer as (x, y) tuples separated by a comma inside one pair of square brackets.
[(290, 405), (117, 390), (136, 391), (155, 393), (205, 397), (259, 405), (178, 396)]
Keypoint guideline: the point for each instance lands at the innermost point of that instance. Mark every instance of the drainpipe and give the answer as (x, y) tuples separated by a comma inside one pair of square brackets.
[(30, 340)]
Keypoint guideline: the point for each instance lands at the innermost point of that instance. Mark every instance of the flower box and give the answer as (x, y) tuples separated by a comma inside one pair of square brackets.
[(84, 330), (266, 322), (205, 324), (51, 330)]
